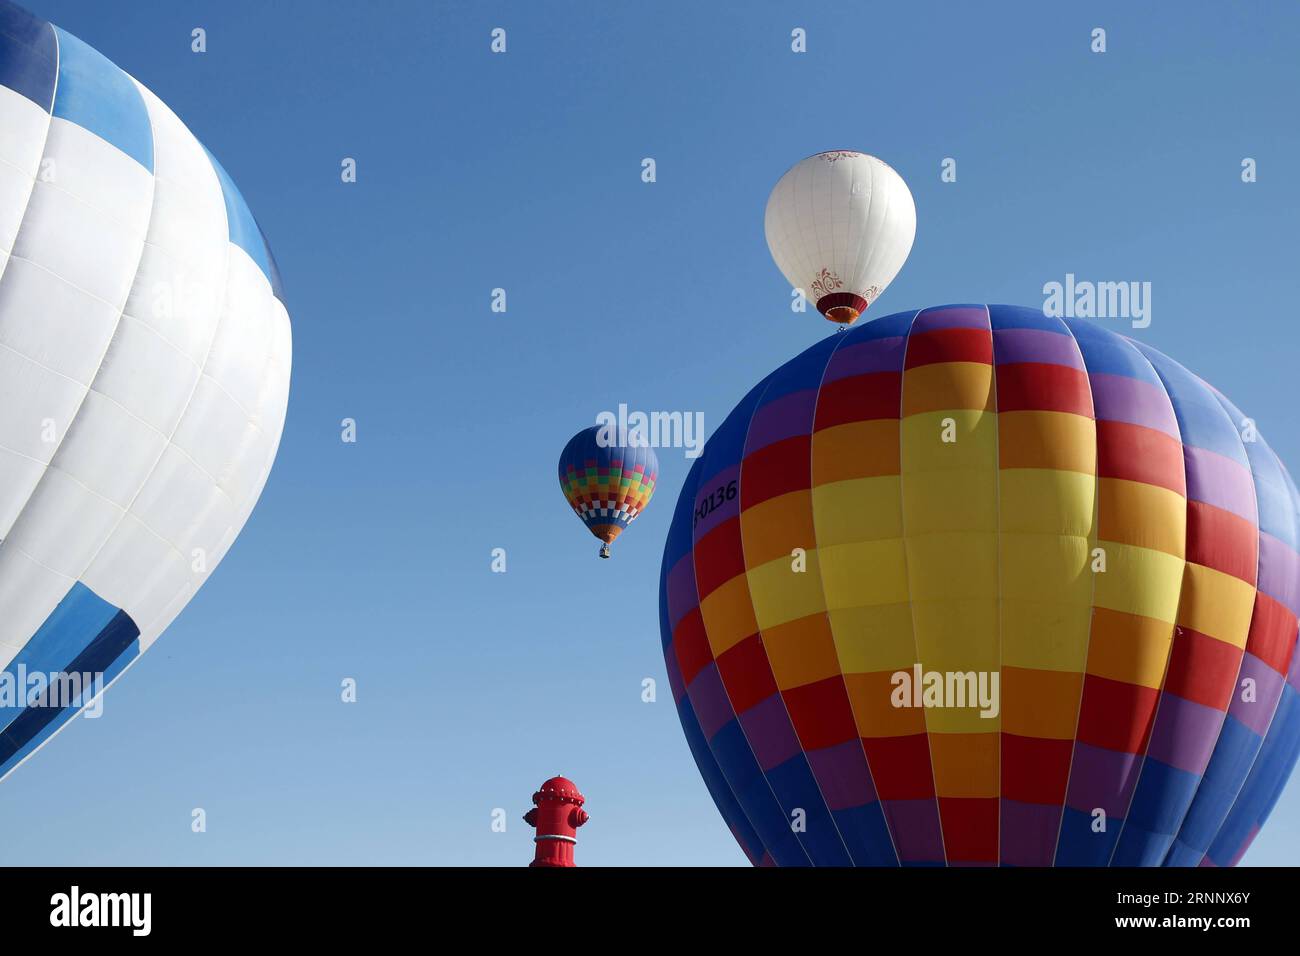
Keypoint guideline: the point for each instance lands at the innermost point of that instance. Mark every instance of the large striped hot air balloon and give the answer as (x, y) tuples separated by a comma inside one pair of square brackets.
[(607, 481), (144, 372), (970, 499)]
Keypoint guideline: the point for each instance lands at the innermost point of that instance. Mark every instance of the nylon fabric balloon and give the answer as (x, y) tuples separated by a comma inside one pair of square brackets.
[(144, 370), (607, 484), (840, 225), (943, 498)]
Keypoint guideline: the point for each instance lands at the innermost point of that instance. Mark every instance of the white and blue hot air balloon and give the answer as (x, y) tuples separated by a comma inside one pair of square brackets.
[(144, 371)]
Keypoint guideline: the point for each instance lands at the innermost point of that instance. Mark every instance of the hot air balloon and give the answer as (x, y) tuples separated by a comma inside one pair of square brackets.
[(840, 225), (607, 483), (144, 372), (979, 498)]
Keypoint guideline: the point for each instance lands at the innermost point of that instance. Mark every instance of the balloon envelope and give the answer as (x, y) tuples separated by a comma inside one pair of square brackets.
[(144, 369), (606, 484), (960, 584), (840, 225)]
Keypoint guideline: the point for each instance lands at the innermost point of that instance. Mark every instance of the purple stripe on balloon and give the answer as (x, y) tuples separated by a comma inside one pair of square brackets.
[(767, 725), (1029, 832), (914, 824), (841, 773), (719, 508), (1035, 345), (1101, 778), (709, 698), (880, 355), (1218, 480), (952, 317), (682, 595), (784, 417), (674, 676), (1184, 733), (1257, 714), (1118, 398), (1279, 572)]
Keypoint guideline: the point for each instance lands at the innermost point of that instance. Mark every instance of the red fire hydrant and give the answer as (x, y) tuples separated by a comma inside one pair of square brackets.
[(557, 813)]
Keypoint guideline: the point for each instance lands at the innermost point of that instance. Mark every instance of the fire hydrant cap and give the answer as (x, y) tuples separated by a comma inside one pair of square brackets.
[(559, 788)]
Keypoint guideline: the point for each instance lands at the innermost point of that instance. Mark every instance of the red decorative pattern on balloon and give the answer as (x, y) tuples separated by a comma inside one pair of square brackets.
[(825, 283)]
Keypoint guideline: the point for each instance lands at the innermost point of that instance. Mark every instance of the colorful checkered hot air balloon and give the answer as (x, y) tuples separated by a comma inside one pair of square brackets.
[(979, 498), (607, 483)]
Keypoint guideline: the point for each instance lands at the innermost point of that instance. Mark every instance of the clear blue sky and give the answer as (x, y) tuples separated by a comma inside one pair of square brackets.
[(522, 171)]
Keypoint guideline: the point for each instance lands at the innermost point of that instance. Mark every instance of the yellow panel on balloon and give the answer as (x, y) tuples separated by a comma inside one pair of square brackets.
[(957, 635), (775, 527), (863, 509), (947, 385), (1139, 581), (950, 501), (728, 615), (780, 593), (1045, 636), (874, 638), (961, 720), (1146, 516), (950, 441), (870, 572), (1045, 567), (959, 565), (1047, 502), (1217, 605)]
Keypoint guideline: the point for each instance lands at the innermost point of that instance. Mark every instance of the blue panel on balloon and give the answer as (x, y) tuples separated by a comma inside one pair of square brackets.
[(867, 834), (84, 635), (1079, 845), (97, 96), (244, 230), (796, 788), (28, 55)]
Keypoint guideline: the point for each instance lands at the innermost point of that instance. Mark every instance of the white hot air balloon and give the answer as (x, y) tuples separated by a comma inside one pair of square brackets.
[(144, 372), (840, 225)]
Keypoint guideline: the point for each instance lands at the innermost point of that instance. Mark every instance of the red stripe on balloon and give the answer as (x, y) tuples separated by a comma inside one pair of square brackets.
[(858, 398), (776, 469), (746, 673), (1272, 632), (1202, 669), (1222, 540), (1034, 386), (901, 766), (718, 557), (821, 713), (1116, 715), (1136, 453), (950, 345), (1035, 769)]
